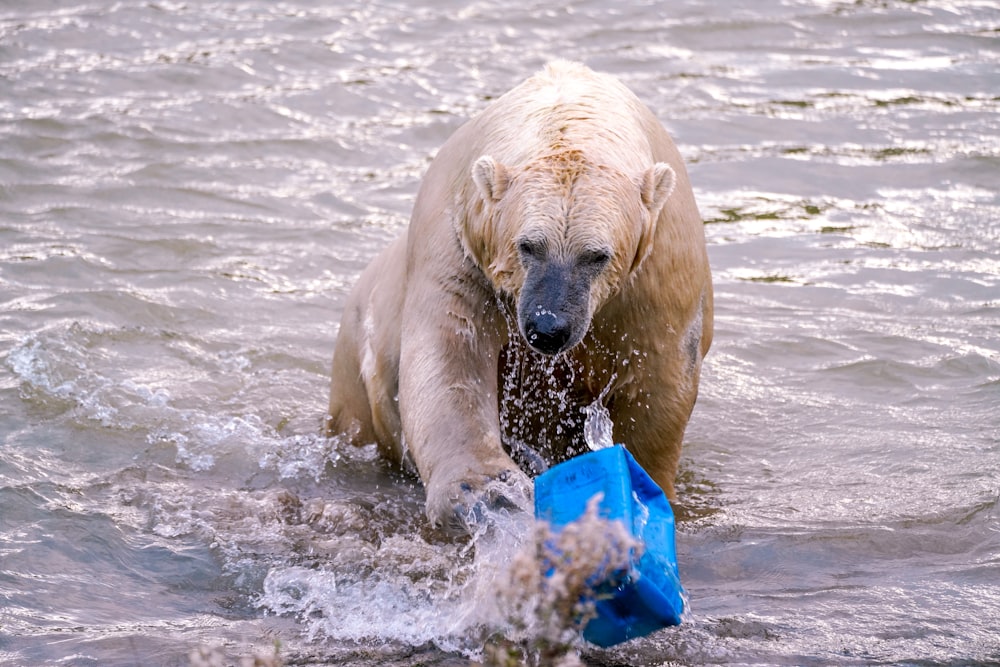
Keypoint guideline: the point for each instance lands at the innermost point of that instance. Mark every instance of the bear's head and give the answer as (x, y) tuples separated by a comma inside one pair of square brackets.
[(561, 235)]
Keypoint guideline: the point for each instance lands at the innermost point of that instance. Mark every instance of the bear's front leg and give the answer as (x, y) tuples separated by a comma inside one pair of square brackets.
[(449, 349)]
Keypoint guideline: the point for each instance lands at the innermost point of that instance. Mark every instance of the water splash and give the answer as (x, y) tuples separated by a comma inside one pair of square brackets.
[(516, 590), (598, 427), (397, 587)]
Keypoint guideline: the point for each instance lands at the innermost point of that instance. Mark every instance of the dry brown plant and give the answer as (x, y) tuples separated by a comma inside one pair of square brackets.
[(553, 586)]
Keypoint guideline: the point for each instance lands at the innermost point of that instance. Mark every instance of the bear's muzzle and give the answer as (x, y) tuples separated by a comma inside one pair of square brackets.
[(553, 312)]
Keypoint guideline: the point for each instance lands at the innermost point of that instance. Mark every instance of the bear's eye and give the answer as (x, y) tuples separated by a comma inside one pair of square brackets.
[(529, 249), (597, 259)]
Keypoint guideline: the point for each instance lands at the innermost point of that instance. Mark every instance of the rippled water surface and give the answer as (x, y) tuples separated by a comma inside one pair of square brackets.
[(188, 191)]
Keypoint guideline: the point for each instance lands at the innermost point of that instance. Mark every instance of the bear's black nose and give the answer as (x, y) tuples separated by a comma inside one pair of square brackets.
[(547, 332)]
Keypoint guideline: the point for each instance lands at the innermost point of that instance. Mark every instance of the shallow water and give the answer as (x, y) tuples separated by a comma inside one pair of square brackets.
[(188, 190)]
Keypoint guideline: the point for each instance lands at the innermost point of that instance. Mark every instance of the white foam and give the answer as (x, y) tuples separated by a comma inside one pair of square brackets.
[(296, 455), (26, 362)]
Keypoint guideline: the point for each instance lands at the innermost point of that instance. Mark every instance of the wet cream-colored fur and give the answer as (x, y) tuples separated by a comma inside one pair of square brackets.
[(561, 218)]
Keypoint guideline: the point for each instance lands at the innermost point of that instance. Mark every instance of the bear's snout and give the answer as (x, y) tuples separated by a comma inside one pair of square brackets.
[(553, 312), (547, 332)]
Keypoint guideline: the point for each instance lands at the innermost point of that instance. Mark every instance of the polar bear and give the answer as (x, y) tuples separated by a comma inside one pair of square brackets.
[(555, 262)]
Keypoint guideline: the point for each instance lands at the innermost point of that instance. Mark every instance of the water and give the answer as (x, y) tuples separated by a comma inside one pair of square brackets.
[(188, 190)]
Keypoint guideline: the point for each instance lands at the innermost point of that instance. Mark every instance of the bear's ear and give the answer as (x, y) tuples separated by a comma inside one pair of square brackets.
[(657, 184), (491, 178)]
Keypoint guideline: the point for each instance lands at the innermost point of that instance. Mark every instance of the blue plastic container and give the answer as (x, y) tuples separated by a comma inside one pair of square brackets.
[(650, 596)]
